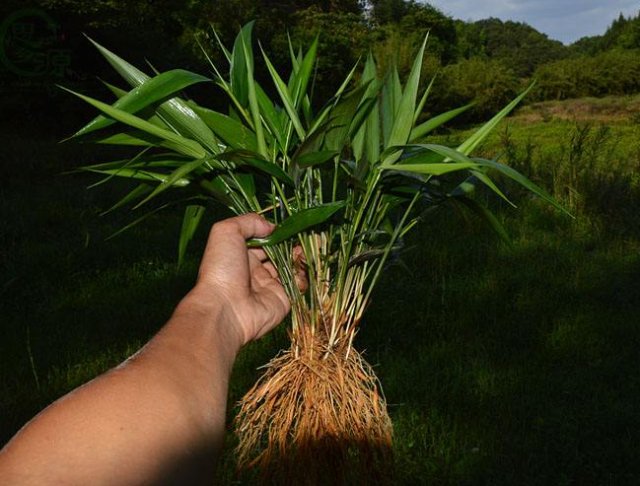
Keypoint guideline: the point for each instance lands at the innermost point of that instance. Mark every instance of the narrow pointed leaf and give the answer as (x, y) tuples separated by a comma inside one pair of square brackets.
[(141, 174), (285, 96), (180, 144), (174, 112), (255, 161), (136, 193), (474, 140), (404, 114), (231, 131), (423, 100), (190, 221), (241, 66), (298, 222), (431, 169), (149, 92), (315, 158), (303, 74), (522, 180), (180, 174), (435, 122)]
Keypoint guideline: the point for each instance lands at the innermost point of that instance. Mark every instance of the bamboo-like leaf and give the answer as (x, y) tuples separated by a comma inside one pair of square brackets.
[(315, 158), (439, 154), (127, 139), (254, 107), (366, 142), (136, 193), (436, 169), (141, 174), (474, 140), (178, 143), (218, 189), (271, 116), (388, 107), (231, 131), (285, 96), (342, 115), (179, 174), (298, 222), (303, 73), (118, 92), (149, 92), (174, 112), (522, 180), (404, 114), (423, 100), (241, 66), (190, 221), (255, 161), (433, 123)]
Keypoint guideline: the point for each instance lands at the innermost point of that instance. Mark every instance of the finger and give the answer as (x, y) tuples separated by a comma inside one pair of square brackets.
[(301, 280), (269, 267), (298, 255), (251, 225), (259, 254)]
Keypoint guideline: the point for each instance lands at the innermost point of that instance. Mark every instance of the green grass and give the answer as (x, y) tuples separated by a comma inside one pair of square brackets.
[(500, 365)]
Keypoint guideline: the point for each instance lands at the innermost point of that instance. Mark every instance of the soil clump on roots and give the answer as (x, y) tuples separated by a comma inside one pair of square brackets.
[(316, 417)]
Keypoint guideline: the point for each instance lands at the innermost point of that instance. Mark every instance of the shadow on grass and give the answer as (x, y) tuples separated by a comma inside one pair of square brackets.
[(512, 366)]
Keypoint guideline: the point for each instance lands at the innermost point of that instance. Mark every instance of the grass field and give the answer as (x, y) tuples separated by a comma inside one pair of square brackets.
[(501, 365)]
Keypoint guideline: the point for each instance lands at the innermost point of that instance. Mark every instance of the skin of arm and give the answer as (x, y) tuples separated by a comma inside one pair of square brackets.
[(159, 417)]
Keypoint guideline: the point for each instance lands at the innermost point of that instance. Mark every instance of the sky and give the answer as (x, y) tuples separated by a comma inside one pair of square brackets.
[(563, 20)]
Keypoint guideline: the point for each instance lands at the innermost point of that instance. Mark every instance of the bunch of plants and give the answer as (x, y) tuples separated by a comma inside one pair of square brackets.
[(345, 182)]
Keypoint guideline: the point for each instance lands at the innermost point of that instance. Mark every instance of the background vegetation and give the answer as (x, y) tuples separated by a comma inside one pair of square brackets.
[(502, 364)]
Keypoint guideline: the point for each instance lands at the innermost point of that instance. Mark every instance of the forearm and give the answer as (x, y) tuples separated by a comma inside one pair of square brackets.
[(158, 415)]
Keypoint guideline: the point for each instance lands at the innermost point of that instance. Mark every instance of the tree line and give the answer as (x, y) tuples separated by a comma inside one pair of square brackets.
[(487, 61)]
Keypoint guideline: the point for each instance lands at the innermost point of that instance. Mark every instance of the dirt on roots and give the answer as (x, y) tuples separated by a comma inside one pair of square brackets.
[(316, 417)]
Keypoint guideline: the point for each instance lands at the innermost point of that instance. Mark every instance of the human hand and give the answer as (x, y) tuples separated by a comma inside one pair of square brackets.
[(243, 279)]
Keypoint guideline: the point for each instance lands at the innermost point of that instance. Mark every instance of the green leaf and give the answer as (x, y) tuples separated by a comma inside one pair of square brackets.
[(178, 143), (254, 107), (366, 143), (522, 180), (302, 74), (151, 91), (315, 158), (433, 123), (218, 189), (174, 112), (423, 100), (231, 131), (298, 222), (286, 98), (190, 221), (404, 115), (136, 193), (142, 140), (445, 154), (436, 169), (241, 66), (141, 174), (255, 161), (271, 116), (342, 115), (177, 175), (474, 140)]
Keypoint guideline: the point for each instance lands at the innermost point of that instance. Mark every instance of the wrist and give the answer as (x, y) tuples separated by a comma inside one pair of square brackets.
[(214, 315)]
